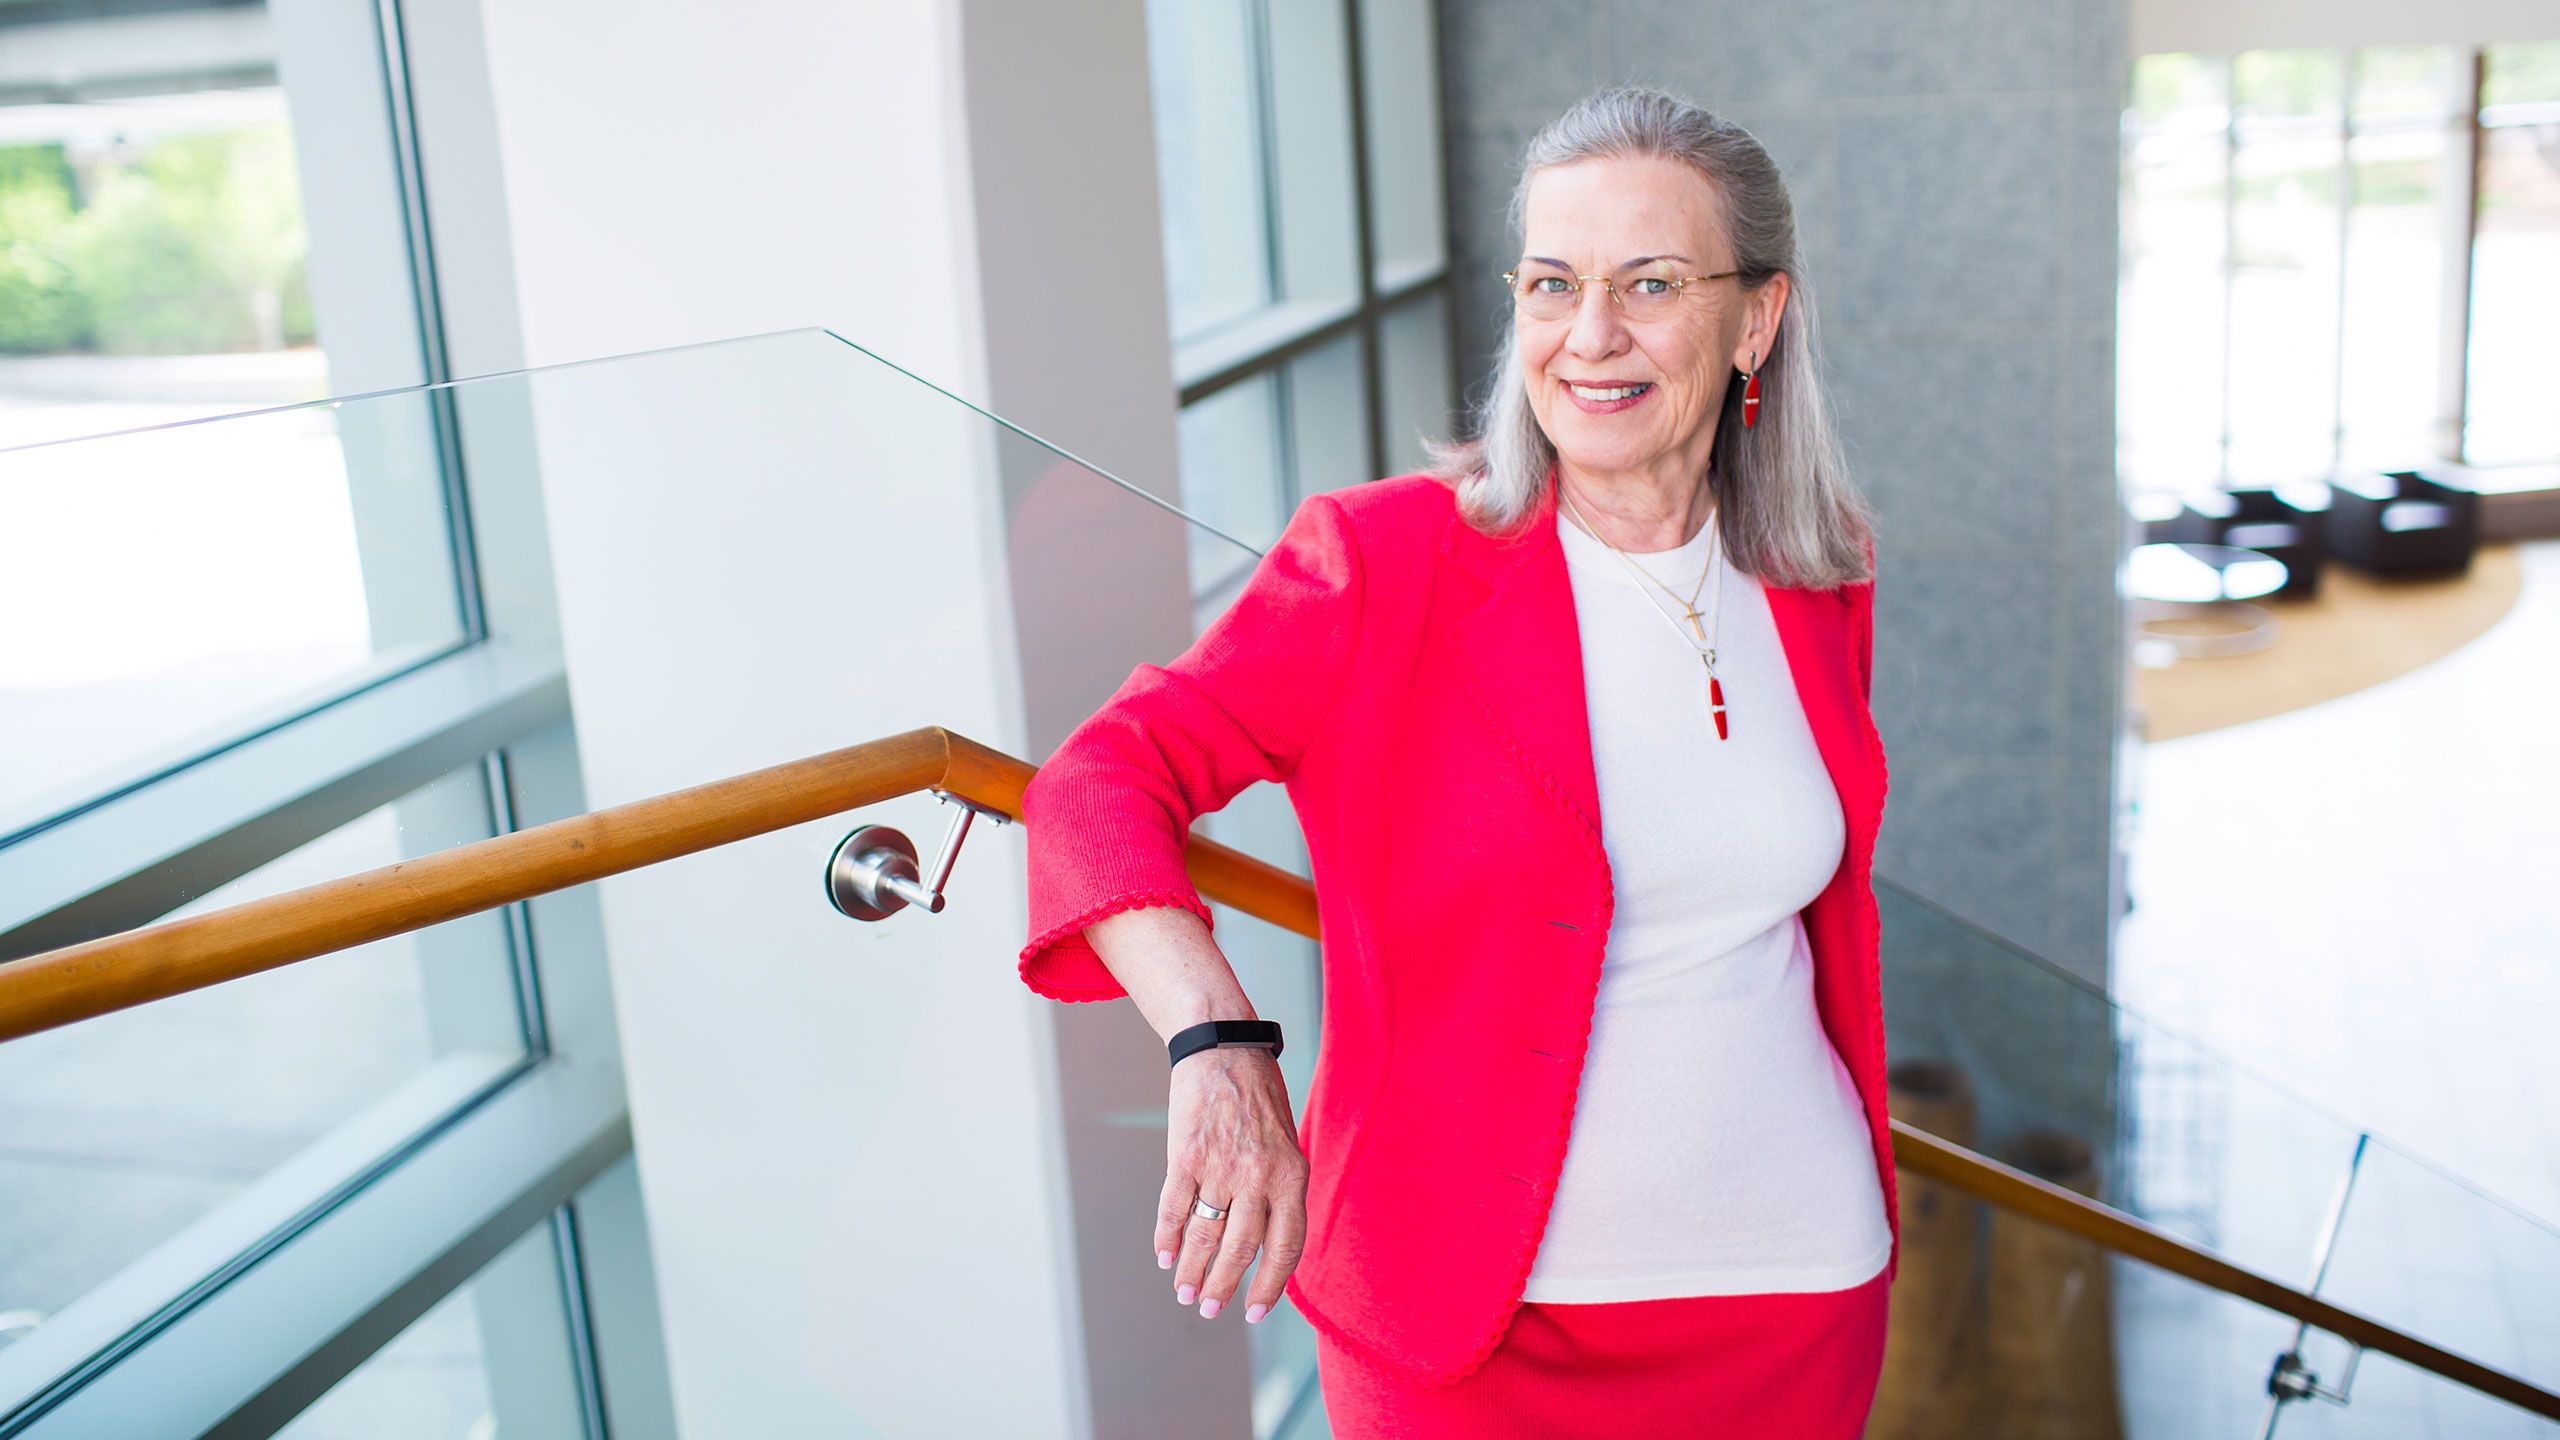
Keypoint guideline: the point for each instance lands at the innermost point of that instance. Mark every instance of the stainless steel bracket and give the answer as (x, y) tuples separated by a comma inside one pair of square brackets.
[(873, 874)]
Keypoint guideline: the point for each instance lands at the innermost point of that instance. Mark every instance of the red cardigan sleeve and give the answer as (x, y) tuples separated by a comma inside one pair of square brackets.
[(1106, 817)]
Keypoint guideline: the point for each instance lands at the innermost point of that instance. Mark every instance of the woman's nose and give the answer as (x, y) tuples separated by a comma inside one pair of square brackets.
[(1599, 325)]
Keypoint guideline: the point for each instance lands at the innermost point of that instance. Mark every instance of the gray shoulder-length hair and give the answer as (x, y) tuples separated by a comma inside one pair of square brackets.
[(1785, 506)]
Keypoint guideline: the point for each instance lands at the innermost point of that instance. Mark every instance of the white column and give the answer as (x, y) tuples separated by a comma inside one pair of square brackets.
[(866, 1169)]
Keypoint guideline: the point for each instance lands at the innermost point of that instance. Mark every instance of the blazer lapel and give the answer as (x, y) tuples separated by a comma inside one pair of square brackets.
[(1813, 625), (1521, 649), (1520, 645)]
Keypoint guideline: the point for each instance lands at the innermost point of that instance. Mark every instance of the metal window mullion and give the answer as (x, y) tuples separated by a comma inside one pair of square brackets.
[(442, 408), (1283, 415), (1280, 412), (1313, 337), (1266, 135), (1364, 239), (2460, 229), (2230, 246), (2346, 223), (570, 1258), (531, 1020)]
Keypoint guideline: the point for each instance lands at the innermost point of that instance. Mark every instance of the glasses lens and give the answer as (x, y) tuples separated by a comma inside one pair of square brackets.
[(1544, 295), (1648, 296)]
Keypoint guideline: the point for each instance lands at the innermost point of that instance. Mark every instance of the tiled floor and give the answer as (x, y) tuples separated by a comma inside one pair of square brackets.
[(2361, 900)]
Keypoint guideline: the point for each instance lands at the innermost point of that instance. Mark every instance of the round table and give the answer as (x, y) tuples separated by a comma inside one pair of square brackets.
[(2180, 581)]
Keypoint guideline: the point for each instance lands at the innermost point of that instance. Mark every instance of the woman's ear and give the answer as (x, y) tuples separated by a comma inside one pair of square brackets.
[(1769, 306)]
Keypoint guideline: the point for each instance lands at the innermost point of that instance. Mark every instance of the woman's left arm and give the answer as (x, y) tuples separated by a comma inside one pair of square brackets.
[(1108, 816)]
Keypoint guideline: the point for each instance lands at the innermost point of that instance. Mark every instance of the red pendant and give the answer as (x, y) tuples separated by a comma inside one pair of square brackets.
[(1751, 401), (1715, 703)]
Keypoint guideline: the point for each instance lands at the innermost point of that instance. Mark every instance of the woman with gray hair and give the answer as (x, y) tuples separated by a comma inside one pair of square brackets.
[(1576, 727)]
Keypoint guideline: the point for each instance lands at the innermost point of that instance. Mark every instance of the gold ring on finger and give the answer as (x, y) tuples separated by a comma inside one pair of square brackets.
[(1207, 1211)]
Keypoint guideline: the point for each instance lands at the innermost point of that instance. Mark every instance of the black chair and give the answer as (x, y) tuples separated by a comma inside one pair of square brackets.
[(2286, 523), (2405, 522)]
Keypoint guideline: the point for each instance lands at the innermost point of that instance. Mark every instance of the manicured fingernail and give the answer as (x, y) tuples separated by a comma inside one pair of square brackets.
[(1209, 1308), (1164, 1259), (1254, 1312), (1186, 1292)]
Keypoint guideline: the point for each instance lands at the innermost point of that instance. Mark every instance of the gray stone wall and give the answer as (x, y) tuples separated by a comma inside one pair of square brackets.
[(1953, 167)]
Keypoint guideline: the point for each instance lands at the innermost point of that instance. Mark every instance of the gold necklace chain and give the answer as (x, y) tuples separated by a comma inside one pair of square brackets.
[(1707, 650)]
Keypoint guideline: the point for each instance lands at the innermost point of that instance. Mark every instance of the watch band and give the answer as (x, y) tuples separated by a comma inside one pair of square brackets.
[(1218, 1034)]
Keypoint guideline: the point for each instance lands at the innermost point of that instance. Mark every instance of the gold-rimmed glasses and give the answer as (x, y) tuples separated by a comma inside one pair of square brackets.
[(1545, 294)]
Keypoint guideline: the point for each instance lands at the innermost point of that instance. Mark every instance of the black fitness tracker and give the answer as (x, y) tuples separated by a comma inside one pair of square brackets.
[(1215, 1034)]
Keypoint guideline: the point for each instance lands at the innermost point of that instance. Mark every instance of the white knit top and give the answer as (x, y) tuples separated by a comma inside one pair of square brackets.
[(1718, 1145)]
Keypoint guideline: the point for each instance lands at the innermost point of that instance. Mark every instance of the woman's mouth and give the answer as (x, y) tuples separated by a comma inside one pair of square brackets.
[(1608, 398)]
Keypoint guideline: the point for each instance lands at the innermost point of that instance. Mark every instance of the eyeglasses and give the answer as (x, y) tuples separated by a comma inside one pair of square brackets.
[(1550, 295)]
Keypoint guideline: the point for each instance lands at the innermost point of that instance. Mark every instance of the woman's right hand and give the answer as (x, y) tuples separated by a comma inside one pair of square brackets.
[(1232, 1140)]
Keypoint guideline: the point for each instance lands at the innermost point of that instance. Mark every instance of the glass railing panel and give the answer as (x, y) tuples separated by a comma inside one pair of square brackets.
[(170, 589), (2042, 1333), (2057, 1337), (2464, 1268), (2062, 1081), (2001, 1051), (216, 1092), (1102, 573), (2054, 1076)]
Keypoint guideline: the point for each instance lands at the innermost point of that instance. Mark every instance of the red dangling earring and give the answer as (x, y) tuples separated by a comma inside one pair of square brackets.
[(1751, 394)]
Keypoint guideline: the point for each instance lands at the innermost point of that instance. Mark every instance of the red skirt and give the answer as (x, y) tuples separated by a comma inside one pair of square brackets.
[(1799, 1365)]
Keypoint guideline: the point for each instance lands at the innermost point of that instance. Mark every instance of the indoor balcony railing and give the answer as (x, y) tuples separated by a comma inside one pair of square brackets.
[(2108, 1229), (2047, 1237)]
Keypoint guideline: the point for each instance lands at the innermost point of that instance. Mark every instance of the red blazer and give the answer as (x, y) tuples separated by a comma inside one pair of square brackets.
[(1418, 688)]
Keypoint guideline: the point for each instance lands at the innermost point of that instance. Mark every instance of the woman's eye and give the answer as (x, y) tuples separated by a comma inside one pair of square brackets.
[(1549, 285), (1660, 285)]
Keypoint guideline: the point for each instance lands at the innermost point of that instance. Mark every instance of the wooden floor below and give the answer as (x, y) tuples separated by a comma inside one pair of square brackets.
[(2359, 631)]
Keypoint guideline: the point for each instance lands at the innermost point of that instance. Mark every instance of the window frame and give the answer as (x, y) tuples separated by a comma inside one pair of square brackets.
[(237, 1322), (1298, 322), (2465, 122)]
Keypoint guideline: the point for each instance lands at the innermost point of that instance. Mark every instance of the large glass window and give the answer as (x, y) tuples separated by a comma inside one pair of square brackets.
[(2515, 259), (2313, 283), (235, 655), (490, 1359), (181, 232), (2399, 136), (185, 234), (152, 256), (498, 1356), (2176, 242), (2284, 259), (1205, 72), (170, 589), (158, 1139), (1306, 253)]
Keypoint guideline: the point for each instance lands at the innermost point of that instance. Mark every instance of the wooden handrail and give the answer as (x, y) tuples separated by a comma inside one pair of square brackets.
[(116, 972)]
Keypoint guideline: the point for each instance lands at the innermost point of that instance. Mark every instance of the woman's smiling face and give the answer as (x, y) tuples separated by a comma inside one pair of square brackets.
[(1616, 396)]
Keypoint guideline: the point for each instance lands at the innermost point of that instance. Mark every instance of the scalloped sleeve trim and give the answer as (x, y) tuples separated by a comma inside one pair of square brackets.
[(1061, 964)]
